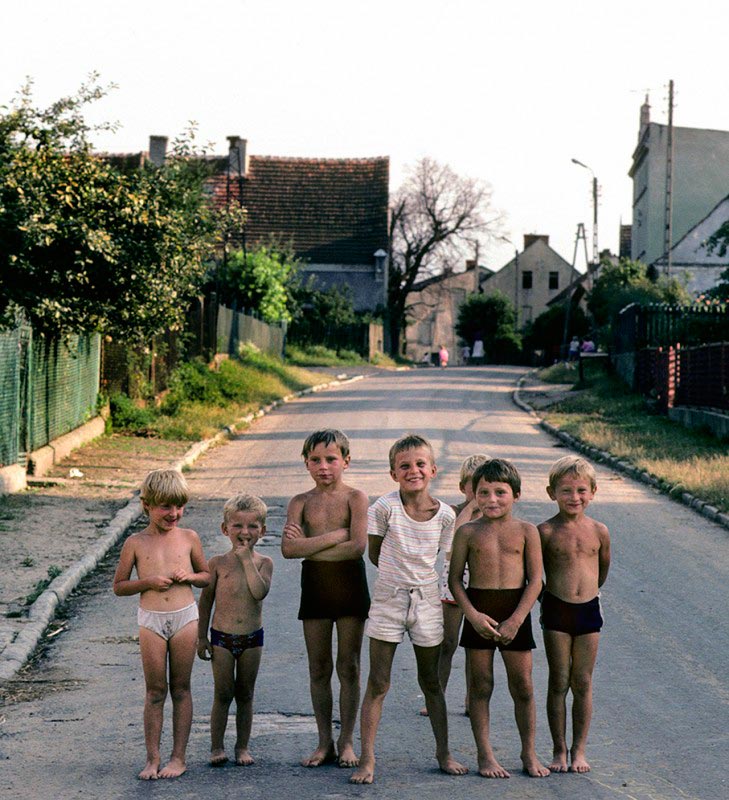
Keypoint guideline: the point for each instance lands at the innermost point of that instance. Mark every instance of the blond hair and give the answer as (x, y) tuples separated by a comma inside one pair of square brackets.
[(469, 466), (572, 465), (164, 487), (409, 442), (245, 502)]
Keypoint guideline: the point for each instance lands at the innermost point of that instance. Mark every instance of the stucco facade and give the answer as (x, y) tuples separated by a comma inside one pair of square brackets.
[(700, 182)]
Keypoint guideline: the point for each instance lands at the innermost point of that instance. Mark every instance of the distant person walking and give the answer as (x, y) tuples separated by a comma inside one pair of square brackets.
[(465, 354), (574, 350), (443, 356)]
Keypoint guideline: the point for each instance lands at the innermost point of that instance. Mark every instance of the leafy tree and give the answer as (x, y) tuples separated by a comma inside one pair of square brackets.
[(263, 280), (720, 292), (627, 282), (437, 217), (85, 247), (490, 318), (547, 332), (324, 317)]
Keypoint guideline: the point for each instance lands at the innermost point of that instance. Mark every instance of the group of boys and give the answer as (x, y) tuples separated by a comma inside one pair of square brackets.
[(491, 578)]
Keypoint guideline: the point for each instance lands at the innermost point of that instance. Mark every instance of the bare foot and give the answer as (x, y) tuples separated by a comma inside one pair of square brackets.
[(217, 758), (450, 766), (559, 763), (579, 762), (423, 712), (173, 769), (150, 771), (243, 758), (533, 767), (365, 773), (347, 757), (491, 768), (320, 756)]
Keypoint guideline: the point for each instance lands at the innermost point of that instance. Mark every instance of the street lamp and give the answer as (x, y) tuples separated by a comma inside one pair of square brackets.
[(594, 210)]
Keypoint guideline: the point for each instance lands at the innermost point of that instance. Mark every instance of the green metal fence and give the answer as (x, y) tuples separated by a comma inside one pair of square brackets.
[(47, 388)]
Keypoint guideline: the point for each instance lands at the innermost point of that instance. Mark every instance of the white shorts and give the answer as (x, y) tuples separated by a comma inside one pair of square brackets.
[(395, 610), (445, 593), (167, 623)]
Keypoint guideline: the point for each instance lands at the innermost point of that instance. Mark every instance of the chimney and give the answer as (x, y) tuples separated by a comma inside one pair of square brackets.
[(530, 238), (238, 157), (157, 150), (645, 116)]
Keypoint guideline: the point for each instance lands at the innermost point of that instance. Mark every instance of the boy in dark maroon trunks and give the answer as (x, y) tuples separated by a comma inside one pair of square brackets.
[(576, 553), (327, 527), (505, 578)]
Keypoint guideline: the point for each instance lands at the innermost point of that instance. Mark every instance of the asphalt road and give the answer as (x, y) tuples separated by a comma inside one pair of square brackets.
[(660, 729)]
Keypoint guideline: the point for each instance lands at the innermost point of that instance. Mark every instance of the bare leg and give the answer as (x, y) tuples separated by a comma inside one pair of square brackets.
[(558, 647), (153, 649), (452, 616), (378, 684), (584, 655), (245, 683), (481, 687), (428, 661), (182, 656), (318, 637), (349, 645), (519, 673), (224, 679)]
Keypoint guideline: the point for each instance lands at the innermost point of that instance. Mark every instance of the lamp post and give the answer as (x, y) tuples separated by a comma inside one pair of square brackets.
[(594, 210)]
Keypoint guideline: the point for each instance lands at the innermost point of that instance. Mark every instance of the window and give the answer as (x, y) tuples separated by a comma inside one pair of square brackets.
[(554, 280), (526, 279)]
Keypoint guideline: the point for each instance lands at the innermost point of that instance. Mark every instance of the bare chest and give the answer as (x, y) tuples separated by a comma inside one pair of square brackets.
[(326, 513)]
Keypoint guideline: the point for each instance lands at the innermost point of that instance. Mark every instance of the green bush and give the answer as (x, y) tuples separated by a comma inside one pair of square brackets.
[(127, 416)]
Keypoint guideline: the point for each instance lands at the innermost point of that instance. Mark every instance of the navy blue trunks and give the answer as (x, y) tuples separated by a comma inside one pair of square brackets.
[(237, 643), (499, 604), (577, 619)]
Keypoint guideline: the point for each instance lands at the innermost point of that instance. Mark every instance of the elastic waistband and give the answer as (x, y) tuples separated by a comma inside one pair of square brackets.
[(171, 611)]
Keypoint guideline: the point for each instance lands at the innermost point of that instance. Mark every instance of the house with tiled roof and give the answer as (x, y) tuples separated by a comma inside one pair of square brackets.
[(332, 211)]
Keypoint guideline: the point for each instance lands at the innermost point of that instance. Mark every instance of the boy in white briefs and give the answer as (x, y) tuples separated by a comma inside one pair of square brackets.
[(169, 561), (406, 528)]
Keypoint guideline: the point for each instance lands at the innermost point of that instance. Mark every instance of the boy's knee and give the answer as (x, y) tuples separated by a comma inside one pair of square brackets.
[(224, 695), (481, 689), (347, 670), (156, 694), (243, 694), (179, 691), (377, 686), (581, 684), (321, 671), (521, 689), (429, 682)]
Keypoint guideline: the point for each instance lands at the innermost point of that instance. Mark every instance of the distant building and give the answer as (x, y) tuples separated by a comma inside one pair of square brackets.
[(700, 182), (532, 278), (332, 211)]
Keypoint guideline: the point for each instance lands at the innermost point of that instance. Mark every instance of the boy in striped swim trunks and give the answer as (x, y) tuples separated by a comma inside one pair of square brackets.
[(406, 528), (504, 560), (576, 552)]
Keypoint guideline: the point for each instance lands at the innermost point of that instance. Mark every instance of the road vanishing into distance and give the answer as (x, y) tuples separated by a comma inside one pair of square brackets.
[(661, 724)]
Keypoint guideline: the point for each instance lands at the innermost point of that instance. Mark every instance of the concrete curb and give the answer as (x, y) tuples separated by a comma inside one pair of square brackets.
[(673, 491), (43, 610)]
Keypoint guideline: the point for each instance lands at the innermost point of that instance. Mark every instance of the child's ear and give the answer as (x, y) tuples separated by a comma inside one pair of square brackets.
[(550, 492), (224, 528), (393, 475)]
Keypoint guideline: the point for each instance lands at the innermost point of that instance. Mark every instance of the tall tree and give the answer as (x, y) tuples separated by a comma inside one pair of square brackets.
[(437, 218), (85, 247)]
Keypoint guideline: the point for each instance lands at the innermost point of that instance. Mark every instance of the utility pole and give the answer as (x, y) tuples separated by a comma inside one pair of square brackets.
[(595, 253), (668, 217), (568, 311)]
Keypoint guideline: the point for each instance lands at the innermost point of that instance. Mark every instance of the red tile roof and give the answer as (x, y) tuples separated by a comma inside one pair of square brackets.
[(333, 211)]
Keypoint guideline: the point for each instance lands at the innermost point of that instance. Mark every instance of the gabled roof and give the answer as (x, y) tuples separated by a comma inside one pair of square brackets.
[(333, 211)]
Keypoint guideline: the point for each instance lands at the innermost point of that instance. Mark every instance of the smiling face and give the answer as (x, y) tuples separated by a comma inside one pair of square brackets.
[(243, 528), (163, 518), (413, 469), (326, 464), (573, 494), (495, 499)]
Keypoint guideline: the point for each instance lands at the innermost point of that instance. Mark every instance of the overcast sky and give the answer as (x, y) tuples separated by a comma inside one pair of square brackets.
[(504, 92)]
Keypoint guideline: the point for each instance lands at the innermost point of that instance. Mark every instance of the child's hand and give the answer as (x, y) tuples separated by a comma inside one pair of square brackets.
[(204, 649), (508, 630), (243, 550), (292, 530), (182, 576), (160, 583), (486, 627)]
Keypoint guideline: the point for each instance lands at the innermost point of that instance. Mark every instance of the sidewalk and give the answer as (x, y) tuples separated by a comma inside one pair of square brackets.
[(56, 532)]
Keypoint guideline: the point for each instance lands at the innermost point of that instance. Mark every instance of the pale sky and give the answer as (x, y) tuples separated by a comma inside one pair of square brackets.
[(504, 92)]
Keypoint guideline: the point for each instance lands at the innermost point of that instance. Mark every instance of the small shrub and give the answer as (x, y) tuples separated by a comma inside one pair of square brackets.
[(126, 415)]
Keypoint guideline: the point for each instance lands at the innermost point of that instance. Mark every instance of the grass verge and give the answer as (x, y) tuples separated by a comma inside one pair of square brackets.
[(604, 413), (202, 400)]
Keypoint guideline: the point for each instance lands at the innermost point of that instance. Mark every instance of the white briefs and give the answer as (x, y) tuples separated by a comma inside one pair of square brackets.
[(167, 623)]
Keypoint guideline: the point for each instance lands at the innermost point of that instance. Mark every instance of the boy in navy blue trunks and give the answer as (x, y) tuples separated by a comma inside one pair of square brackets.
[(239, 580), (504, 560), (327, 528), (576, 552)]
